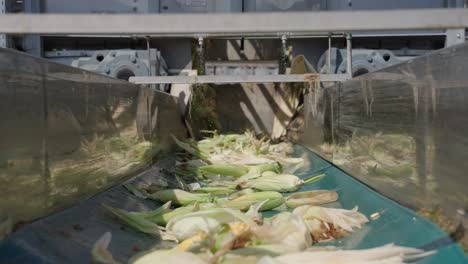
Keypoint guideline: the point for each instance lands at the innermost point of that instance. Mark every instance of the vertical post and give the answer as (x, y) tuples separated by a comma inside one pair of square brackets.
[(349, 55), (3, 42), (329, 53), (201, 57), (283, 59)]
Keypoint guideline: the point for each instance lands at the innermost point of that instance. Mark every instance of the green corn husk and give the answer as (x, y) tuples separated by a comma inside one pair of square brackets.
[(317, 197), (136, 191), (244, 202), (137, 222), (241, 193), (163, 219), (165, 208), (269, 174), (216, 190), (224, 169), (258, 170), (180, 197), (187, 147)]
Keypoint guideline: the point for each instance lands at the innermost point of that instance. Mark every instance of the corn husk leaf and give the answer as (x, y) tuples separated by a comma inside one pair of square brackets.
[(136, 191), (190, 149), (388, 254), (172, 256), (316, 197), (244, 202), (165, 208), (329, 223), (231, 236), (180, 197), (207, 221), (254, 212), (289, 230), (99, 253), (258, 170), (251, 254)]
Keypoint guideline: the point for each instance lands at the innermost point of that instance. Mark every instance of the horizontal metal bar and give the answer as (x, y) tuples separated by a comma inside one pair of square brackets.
[(234, 24), (220, 79)]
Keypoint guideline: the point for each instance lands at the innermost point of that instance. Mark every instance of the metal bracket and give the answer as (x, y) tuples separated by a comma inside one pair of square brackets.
[(454, 37)]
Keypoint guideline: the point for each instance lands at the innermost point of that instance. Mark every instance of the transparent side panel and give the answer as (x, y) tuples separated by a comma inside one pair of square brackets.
[(402, 130), (67, 134)]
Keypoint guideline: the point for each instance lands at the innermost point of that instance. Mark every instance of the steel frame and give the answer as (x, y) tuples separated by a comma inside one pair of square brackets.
[(242, 24), (225, 79)]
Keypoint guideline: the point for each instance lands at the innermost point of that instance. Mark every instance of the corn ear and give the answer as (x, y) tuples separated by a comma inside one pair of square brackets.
[(205, 221), (241, 193), (216, 190), (163, 219), (277, 183), (259, 169), (244, 202), (137, 222), (224, 169), (317, 197), (180, 197)]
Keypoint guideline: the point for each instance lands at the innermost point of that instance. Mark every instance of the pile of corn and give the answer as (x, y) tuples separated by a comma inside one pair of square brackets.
[(231, 179)]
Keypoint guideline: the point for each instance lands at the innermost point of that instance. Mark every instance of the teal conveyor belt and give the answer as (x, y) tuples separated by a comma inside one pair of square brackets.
[(54, 240), (396, 224)]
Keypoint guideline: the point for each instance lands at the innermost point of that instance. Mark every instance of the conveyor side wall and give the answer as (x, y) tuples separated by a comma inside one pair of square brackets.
[(67, 134), (402, 130)]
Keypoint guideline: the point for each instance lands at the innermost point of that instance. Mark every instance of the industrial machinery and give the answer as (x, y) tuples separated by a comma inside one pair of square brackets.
[(403, 44), (372, 103)]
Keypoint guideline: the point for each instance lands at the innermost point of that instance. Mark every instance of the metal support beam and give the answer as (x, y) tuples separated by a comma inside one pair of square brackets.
[(224, 79), (3, 41), (247, 24)]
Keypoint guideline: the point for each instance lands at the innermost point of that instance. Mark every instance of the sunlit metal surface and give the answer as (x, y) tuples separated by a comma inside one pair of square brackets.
[(67, 134), (401, 130)]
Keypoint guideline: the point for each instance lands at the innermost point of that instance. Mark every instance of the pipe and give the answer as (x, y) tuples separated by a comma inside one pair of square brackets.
[(329, 53), (349, 55)]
